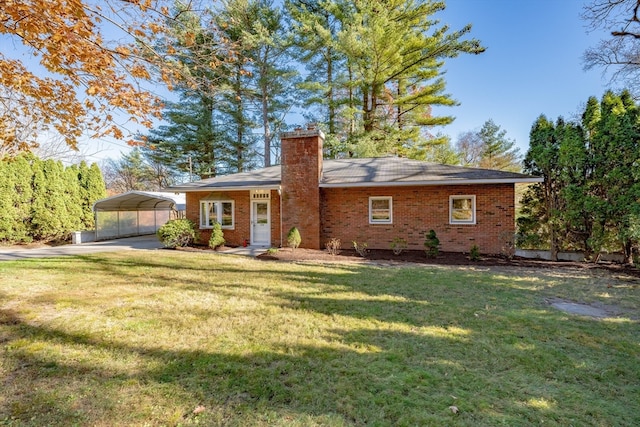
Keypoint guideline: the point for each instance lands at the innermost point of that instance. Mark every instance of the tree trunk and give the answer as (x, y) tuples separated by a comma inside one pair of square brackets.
[(240, 123), (265, 116), (551, 208), (366, 110), (627, 247), (331, 103)]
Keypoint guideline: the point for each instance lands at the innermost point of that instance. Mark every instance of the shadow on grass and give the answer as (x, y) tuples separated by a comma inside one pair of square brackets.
[(429, 340)]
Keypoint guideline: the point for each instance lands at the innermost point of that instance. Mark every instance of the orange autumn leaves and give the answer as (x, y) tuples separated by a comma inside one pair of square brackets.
[(80, 79)]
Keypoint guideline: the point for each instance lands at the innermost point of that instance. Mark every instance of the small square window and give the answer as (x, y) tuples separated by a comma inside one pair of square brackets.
[(462, 209), (380, 210)]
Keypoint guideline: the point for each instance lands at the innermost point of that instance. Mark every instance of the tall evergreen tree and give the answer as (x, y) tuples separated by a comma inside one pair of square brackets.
[(92, 189), (489, 148), (7, 207), (541, 203), (615, 151), (190, 142), (73, 199), (22, 196), (498, 152), (591, 193), (49, 215), (262, 40), (315, 26), (392, 53)]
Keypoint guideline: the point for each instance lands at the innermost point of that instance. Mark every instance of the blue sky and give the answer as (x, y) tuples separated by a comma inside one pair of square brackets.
[(532, 65)]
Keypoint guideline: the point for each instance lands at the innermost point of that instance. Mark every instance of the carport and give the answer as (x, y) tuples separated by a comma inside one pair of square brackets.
[(136, 213)]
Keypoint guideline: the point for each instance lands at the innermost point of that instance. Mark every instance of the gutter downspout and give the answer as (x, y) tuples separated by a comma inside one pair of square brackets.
[(280, 216)]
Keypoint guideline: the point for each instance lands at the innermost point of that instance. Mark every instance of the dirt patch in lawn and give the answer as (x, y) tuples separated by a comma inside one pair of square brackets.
[(381, 256)]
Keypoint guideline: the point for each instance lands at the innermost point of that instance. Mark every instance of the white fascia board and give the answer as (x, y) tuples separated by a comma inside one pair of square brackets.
[(434, 183), (234, 188)]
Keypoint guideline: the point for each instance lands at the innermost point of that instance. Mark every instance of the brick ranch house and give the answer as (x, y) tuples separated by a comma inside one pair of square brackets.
[(370, 200)]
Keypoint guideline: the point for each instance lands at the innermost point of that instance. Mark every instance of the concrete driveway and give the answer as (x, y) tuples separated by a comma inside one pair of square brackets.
[(139, 242)]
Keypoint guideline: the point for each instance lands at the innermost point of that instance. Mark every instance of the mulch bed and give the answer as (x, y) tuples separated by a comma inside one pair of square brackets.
[(444, 258)]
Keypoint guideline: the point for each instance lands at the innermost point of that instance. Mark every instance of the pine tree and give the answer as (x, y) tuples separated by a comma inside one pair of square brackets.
[(129, 173), (190, 142), (498, 152), (261, 36), (392, 53), (315, 26)]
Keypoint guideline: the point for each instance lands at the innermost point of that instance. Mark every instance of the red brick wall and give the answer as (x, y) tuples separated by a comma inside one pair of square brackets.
[(242, 216), (416, 210), (301, 168)]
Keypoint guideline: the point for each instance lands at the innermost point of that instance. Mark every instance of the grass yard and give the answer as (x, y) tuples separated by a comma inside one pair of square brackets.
[(176, 338)]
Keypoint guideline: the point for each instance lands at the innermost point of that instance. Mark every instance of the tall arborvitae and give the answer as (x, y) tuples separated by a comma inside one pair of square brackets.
[(22, 196), (43, 200), (43, 220), (72, 199), (93, 189), (541, 202), (614, 147), (7, 208), (50, 218), (589, 199)]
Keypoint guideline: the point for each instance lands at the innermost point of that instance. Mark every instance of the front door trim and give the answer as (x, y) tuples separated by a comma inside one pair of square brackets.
[(260, 233)]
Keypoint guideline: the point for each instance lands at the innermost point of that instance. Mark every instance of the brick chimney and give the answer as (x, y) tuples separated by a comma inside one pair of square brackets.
[(301, 160)]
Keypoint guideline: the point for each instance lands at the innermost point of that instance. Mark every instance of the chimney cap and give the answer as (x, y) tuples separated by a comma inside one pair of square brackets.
[(299, 132)]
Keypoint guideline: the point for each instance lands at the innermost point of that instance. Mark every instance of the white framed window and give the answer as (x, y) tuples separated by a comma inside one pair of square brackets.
[(380, 210), (462, 209), (212, 211)]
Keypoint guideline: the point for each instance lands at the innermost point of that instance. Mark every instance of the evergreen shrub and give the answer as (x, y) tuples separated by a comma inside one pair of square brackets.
[(293, 238), (217, 236), (177, 233)]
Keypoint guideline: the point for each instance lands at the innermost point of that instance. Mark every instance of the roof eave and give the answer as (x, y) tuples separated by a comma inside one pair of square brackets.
[(527, 180), (184, 189)]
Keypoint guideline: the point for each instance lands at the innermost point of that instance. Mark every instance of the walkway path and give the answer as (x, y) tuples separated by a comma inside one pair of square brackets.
[(139, 242)]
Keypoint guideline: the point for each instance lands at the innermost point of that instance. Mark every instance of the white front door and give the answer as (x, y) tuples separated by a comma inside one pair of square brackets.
[(260, 223)]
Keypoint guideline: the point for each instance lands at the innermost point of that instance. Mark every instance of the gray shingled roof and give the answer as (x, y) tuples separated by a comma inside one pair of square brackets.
[(369, 172), (399, 171), (259, 178)]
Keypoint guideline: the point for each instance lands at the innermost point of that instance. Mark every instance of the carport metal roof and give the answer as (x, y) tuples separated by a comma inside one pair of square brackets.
[(141, 201)]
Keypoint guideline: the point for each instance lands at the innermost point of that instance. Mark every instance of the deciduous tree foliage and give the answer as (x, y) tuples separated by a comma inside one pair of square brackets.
[(129, 173), (77, 80), (621, 51)]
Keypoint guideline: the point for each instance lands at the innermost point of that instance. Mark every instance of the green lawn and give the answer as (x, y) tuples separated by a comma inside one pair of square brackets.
[(176, 338)]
